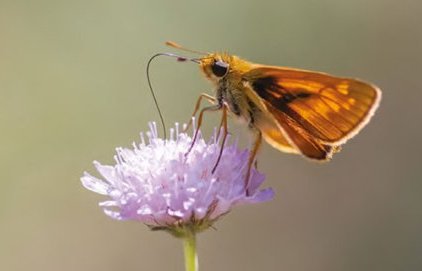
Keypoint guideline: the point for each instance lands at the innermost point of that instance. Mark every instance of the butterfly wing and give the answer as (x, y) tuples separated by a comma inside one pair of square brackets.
[(313, 112), (284, 134), (273, 133), (329, 108), (305, 143)]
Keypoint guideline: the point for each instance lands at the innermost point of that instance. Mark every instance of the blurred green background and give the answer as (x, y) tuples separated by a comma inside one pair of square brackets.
[(73, 87)]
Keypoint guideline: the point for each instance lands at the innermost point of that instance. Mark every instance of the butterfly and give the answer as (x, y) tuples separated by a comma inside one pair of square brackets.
[(295, 111)]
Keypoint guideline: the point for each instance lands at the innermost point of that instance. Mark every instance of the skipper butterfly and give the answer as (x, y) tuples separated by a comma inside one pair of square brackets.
[(295, 111)]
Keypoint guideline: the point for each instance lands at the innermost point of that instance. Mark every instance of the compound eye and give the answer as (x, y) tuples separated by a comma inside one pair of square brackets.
[(220, 68)]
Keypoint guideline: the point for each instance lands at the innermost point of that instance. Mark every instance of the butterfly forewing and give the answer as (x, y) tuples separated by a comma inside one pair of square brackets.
[(328, 108), (307, 144)]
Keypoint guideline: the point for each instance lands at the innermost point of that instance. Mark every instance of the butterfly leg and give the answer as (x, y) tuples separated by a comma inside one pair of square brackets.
[(252, 155), (211, 108), (197, 105), (223, 124)]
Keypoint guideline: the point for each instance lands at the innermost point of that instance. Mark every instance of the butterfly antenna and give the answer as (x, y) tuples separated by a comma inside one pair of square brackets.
[(180, 59), (178, 46)]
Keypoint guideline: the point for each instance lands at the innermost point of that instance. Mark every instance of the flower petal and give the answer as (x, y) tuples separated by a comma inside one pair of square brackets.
[(94, 184)]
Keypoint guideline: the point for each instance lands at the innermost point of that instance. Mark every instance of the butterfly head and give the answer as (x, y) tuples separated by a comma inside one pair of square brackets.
[(215, 66), (218, 66)]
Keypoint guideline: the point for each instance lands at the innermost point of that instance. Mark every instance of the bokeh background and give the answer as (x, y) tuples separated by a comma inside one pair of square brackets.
[(73, 87)]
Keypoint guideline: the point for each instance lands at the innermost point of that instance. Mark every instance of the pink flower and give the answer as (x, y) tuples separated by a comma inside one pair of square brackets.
[(157, 184)]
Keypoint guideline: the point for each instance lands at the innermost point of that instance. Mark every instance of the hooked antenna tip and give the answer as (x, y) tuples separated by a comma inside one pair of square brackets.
[(173, 44), (177, 46)]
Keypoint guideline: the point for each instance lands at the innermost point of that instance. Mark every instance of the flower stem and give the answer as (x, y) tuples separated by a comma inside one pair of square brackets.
[(191, 258)]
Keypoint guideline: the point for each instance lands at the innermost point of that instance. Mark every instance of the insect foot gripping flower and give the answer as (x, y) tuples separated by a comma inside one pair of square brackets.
[(157, 184)]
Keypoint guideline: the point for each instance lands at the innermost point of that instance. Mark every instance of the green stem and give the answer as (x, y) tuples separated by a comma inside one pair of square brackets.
[(191, 258)]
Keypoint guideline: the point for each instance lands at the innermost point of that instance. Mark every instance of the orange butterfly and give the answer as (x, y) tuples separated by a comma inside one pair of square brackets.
[(295, 111)]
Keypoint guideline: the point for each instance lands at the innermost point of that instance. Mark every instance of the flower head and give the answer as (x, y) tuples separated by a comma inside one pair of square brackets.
[(158, 184)]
